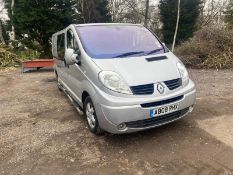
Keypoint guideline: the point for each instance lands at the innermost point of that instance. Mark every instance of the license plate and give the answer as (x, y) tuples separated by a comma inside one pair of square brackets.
[(163, 110)]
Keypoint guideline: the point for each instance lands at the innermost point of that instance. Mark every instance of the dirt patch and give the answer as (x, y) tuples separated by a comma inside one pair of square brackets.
[(41, 133), (221, 130)]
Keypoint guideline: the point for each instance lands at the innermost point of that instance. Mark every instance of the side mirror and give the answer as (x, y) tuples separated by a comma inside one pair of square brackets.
[(71, 57), (164, 44)]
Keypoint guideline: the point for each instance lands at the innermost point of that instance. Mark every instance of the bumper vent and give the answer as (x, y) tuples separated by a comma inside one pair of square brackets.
[(157, 120), (163, 102), (173, 84), (143, 89)]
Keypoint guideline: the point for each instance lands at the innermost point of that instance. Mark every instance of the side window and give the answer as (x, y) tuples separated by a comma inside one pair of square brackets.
[(61, 46), (71, 41)]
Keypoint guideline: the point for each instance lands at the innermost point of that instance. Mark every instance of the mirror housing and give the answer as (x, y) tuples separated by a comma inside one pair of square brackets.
[(71, 57)]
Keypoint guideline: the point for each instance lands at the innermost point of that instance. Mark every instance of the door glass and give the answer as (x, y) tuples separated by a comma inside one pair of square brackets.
[(61, 46), (71, 41)]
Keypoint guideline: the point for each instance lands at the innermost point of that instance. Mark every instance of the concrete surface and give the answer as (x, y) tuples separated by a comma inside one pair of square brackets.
[(41, 133)]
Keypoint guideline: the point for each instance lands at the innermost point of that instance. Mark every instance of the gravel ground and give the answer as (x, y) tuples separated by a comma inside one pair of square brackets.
[(42, 133)]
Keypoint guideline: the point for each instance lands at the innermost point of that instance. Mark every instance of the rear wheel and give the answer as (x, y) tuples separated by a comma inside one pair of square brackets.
[(90, 114)]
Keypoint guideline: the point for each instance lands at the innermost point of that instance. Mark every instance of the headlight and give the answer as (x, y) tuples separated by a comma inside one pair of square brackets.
[(183, 73), (114, 82)]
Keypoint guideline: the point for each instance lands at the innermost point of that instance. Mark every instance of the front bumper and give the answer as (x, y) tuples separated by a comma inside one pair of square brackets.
[(113, 111)]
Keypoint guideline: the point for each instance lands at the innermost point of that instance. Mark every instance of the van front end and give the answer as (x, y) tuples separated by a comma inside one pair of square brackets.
[(126, 114)]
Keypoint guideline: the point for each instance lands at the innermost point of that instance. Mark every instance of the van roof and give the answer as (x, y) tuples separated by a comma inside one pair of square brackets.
[(97, 24), (106, 24)]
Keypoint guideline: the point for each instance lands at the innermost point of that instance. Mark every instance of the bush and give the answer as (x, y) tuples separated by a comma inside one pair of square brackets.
[(210, 47), (14, 56), (7, 57)]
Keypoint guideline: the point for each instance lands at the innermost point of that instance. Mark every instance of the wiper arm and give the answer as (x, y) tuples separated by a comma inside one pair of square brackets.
[(154, 51), (128, 54)]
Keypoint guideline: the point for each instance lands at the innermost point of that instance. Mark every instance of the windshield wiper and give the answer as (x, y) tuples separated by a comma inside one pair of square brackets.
[(128, 54), (154, 51)]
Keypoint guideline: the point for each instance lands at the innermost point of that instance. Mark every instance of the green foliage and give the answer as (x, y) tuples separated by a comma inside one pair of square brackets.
[(189, 13), (23, 53), (229, 15), (35, 21), (94, 11)]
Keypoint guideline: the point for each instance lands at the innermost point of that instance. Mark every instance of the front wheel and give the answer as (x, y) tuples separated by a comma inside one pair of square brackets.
[(90, 114)]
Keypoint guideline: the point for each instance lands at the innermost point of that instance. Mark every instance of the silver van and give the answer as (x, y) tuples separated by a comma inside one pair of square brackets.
[(121, 77)]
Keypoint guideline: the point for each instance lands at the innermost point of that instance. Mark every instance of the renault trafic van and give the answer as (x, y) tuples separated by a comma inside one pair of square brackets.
[(121, 77)]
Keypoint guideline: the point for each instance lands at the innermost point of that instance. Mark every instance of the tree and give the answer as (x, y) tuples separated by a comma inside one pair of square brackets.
[(9, 5), (146, 13), (133, 11), (35, 21), (4, 37), (12, 13), (177, 26), (2, 40), (1, 34), (229, 15), (212, 13), (189, 13), (94, 11), (116, 8)]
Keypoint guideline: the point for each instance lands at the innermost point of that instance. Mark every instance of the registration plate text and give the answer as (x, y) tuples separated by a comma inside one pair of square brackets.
[(163, 110)]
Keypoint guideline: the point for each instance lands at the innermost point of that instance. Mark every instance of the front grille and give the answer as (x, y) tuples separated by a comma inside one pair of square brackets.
[(173, 84), (163, 102), (157, 120), (143, 89)]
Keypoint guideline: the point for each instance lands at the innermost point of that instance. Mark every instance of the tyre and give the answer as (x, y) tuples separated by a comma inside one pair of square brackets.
[(90, 114)]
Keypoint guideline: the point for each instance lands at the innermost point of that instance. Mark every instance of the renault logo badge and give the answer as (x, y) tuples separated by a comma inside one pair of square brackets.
[(160, 88)]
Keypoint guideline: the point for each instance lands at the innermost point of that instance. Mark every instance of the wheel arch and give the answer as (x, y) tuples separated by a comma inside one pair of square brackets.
[(85, 94)]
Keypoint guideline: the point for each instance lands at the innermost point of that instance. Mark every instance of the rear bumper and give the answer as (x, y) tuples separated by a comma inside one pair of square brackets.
[(113, 111)]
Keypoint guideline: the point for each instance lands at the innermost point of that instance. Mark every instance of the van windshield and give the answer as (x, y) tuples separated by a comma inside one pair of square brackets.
[(119, 41)]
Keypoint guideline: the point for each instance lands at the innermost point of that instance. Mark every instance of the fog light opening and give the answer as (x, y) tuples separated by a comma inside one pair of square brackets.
[(121, 126), (191, 109)]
